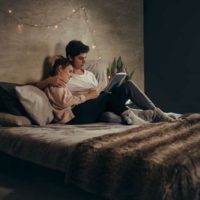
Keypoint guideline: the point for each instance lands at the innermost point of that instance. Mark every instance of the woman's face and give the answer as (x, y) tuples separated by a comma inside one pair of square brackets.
[(79, 61), (65, 73)]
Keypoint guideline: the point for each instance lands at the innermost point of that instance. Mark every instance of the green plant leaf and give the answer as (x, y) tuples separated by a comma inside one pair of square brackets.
[(131, 75), (113, 69), (119, 64)]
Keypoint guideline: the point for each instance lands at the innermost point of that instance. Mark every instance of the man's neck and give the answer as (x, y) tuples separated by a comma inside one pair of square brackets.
[(78, 71)]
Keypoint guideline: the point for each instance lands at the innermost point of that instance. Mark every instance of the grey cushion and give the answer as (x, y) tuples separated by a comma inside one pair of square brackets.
[(110, 117), (35, 103), (13, 120)]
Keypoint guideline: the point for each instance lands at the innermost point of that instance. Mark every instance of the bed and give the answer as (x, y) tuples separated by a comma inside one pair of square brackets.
[(156, 161)]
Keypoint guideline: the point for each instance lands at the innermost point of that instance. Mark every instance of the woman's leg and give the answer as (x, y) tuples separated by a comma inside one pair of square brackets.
[(90, 111)]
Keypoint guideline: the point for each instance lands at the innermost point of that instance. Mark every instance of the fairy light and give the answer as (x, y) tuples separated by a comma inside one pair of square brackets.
[(20, 28), (55, 25), (91, 30)]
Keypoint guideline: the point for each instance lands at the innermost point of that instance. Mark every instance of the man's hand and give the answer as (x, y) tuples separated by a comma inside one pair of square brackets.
[(52, 80), (56, 81)]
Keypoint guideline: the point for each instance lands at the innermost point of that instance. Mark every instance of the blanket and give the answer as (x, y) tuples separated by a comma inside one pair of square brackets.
[(158, 161), (51, 146)]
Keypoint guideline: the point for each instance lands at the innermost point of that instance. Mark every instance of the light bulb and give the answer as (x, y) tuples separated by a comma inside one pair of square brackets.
[(19, 28), (56, 26), (9, 11)]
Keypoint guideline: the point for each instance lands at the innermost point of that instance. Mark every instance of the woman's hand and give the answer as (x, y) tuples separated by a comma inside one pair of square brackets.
[(92, 94)]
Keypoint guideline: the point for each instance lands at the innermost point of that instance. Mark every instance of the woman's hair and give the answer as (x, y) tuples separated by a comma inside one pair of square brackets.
[(75, 47), (61, 61)]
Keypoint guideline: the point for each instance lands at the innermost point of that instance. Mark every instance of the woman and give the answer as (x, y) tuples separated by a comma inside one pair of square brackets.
[(61, 98), (83, 81)]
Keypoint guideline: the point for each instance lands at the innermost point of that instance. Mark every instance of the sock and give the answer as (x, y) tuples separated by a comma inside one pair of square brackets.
[(131, 119)]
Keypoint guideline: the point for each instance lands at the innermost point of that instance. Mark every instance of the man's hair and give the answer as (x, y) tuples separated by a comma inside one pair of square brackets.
[(74, 48), (64, 62)]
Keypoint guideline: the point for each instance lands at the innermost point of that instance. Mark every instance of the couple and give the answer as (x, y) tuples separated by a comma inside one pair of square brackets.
[(72, 93)]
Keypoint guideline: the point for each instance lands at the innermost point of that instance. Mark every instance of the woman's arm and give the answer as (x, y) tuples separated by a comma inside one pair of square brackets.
[(63, 98)]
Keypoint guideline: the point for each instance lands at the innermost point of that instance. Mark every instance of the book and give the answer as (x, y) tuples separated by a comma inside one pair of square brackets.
[(116, 81)]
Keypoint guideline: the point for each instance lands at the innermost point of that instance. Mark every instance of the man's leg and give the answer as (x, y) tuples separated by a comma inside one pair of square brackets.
[(138, 97), (129, 90)]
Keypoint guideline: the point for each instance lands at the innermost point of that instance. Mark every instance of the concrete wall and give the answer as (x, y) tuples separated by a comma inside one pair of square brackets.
[(115, 27)]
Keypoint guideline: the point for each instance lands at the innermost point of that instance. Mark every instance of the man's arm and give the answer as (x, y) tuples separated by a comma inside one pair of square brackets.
[(52, 80)]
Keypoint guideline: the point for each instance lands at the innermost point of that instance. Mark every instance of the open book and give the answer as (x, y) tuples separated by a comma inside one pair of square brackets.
[(117, 80)]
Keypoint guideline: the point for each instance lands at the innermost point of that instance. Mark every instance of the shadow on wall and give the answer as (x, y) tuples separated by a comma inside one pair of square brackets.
[(47, 65), (50, 60)]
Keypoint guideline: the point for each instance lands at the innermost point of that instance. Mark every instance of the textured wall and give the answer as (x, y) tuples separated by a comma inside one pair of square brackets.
[(116, 27)]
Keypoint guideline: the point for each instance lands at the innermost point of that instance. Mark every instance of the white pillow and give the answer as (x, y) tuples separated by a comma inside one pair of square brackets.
[(35, 103), (99, 69)]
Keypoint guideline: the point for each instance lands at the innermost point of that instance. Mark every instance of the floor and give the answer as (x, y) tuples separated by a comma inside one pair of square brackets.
[(21, 180)]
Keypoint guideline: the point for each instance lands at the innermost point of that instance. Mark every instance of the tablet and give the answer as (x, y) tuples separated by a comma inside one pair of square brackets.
[(117, 80)]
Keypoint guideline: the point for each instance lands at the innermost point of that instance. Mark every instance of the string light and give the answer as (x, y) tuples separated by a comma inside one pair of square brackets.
[(91, 33), (55, 25), (20, 28)]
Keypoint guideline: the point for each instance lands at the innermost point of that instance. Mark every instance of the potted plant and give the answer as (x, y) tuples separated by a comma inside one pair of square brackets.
[(118, 66)]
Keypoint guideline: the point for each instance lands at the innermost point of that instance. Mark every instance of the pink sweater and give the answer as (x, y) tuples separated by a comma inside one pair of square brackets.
[(62, 101)]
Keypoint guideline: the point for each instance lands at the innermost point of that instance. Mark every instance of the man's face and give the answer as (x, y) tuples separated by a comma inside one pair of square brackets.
[(79, 61)]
